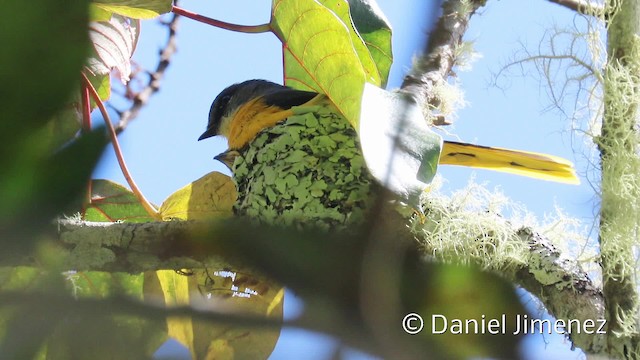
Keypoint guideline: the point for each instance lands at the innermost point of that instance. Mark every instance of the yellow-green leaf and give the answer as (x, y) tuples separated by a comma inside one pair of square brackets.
[(112, 202), (342, 9), (175, 292), (220, 287), (375, 30), (319, 54), (135, 9), (210, 197)]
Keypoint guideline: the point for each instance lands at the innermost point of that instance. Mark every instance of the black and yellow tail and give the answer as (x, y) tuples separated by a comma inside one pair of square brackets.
[(525, 163)]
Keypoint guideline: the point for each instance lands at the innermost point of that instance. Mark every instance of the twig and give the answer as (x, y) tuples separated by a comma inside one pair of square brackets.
[(439, 57), (86, 109), (116, 147), (252, 29), (155, 78), (581, 6)]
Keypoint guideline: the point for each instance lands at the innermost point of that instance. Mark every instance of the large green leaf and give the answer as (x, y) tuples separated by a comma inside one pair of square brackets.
[(62, 331), (341, 8), (44, 44), (319, 54), (36, 188), (217, 288), (375, 30)]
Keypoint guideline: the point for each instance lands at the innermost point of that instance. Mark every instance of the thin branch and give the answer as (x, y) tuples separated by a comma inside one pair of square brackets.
[(151, 210), (250, 29), (582, 6), (86, 109), (435, 65), (141, 98)]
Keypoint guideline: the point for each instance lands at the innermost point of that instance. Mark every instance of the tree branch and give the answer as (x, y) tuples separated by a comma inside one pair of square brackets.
[(433, 68), (141, 98), (558, 282), (581, 6), (619, 144)]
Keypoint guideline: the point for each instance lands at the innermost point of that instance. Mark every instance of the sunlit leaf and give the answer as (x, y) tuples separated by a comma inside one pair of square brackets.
[(174, 290), (220, 289), (97, 13), (112, 202), (113, 44), (375, 30), (319, 54), (210, 197), (102, 84), (341, 8), (135, 9)]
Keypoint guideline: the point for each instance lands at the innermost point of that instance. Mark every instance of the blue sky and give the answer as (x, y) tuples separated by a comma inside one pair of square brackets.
[(163, 155)]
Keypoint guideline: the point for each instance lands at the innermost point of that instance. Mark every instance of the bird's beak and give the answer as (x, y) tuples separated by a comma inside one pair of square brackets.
[(207, 134), (227, 158)]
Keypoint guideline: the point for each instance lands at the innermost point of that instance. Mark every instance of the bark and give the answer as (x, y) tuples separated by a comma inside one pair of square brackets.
[(618, 145)]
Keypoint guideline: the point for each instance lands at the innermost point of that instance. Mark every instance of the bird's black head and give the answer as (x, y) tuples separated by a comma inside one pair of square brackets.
[(230, 99)]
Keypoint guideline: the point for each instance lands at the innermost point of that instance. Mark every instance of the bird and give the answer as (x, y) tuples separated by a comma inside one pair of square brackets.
[(296, 160)]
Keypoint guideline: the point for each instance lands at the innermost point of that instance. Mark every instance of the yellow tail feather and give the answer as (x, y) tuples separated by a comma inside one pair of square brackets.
[(525, 163)]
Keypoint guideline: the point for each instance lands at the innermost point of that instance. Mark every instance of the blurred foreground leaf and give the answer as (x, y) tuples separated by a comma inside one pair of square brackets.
[(44, 45), (330, 271), (220, 289), (36, 189)]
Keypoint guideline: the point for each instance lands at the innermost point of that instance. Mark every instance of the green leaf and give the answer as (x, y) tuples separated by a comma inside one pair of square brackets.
[(461, 292), (97, 13), (62, 128), (44, 45), (102, 84), (99, 284), (375, 30), (135, 9), (319, 54), (208, 198), (219, 287), (329, 277), (36, 189), (341, 8), (112, 202), (61, 330), (400, 149)]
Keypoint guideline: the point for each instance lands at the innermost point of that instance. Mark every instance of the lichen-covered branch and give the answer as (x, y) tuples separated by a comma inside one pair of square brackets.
[(563, 287), (454, 233), (582, 6), (619, 144), (538, 266), (434, 66)]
